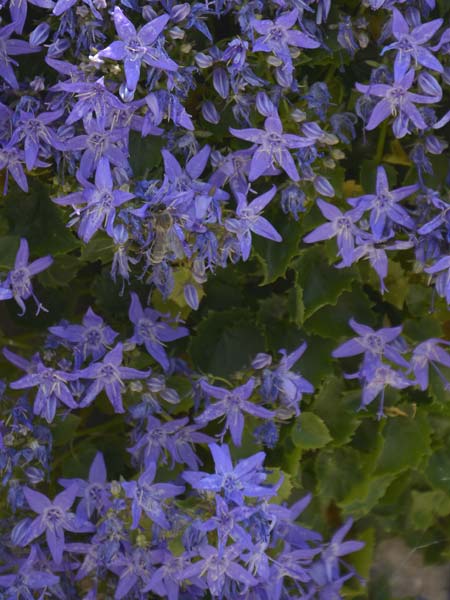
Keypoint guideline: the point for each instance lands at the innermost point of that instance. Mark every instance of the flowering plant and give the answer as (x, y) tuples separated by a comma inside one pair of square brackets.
[(189, 193)]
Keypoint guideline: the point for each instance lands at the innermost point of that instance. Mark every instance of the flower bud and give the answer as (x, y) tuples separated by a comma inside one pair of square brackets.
[(261, 361), (323, 186), (120, 234), (429, 85), (203, 60), (180, 12), (221, 83), (191, 296), (434, 145), (210, 113), (264, 104), (126, 94), (40, 34)]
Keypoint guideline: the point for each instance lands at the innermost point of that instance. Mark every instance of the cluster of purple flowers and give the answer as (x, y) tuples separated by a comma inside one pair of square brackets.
[(235, 543), (115, 79)]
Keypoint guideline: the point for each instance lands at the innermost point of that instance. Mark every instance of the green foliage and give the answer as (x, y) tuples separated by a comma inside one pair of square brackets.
[(225, 342)]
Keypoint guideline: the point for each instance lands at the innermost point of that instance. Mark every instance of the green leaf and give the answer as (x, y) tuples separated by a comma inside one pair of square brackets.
[(225, 342), (145, 154), (397, 283), (365, 494), (338, 409), (332, 321), (35, 217), (421, 329), (295, 306), (61, 272), (310, 432), (316, 363), (276, 257), (100, 247), (338, 470), (322, 284), (427, 507), (406, 442), (63, 432), (9, 244), (362, 560), (438, 470)]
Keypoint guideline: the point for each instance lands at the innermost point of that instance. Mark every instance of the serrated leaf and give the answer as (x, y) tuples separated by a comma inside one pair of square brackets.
[(63, 269), (365, 494), (406, 442), (9, 244), (322, 284), (64, 431), (145, 154), (427, 507), (397, 283), (332, 321), (310, 432), (100, 247), (362, 560), (296, 307), (37, 218), (225, 342), (275, 257), (338, 409), (438, 470), (337, 471)]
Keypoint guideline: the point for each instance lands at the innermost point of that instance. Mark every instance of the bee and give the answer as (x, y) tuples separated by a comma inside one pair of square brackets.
[(165, 239)]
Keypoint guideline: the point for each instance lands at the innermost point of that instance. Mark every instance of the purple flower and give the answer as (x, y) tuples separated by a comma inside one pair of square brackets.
[(35, 133), (19, 9), (232, 405), (284, 385), (150, 330), (248, 219), (133, 567), (93, 97), (341, 225), (157, 439), (429, 353), (11, 159), (374, 344), (54, 517), (167, 579), (278, 35), (135, 47), (19, 279), (220, 568), (441, 269), (101, 202), (94, 492), (28, 578), (274, 146), (10, 48), (410, 44), (397, 101), (52, 386), (99, 143), (181, 445), (337, 548), (384, 206), (92, 338), (226, 523), (108, 375), (148, 497), (375, 378), (245, 479)]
